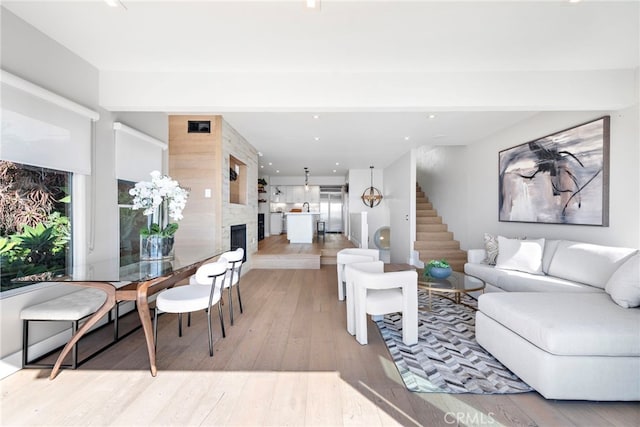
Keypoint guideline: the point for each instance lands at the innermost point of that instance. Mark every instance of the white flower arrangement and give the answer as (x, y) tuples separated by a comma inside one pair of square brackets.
[(161, 191)]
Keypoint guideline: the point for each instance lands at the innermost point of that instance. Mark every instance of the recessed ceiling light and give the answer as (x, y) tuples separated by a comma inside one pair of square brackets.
[(406, 138), (574, 1), (317, 138), (334, 171), (260, 153), (262, 166), (315, 116), (337, 163), (432, 116), (270, 164), (277, 171)]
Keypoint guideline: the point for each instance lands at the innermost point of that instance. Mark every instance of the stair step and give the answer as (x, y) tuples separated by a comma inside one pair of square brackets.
[(435, 235), (420, 195), (431, 212), (436, 244), (423, 205), (428, 220), (431, 227)]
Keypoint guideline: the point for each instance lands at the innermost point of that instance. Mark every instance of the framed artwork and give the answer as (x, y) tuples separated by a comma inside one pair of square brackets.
[(561, 178)]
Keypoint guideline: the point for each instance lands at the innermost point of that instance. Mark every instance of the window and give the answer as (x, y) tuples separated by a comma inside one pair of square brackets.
[(130, 224), (35, 224)]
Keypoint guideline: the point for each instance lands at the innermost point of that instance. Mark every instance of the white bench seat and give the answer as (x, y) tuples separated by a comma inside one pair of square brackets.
[(73, 307)]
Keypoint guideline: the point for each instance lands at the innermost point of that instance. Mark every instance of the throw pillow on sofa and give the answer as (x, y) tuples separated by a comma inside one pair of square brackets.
[(520, 255), (624, 284), (491, 248)]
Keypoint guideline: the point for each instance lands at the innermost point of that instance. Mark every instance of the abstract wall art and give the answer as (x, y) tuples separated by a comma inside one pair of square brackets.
[(561, 178)]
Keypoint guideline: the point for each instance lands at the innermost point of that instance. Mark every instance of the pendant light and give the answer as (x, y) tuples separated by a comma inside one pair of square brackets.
[(371, 196), (306, 179)]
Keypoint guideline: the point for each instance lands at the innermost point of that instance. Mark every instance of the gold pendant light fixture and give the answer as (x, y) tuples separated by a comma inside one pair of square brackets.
[(371, 196)]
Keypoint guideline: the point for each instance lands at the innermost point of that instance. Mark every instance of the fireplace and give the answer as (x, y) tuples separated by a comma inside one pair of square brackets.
[(239, 238)]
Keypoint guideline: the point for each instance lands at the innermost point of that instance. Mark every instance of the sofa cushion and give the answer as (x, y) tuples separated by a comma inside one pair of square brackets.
[(520, 255), (624, 284), (550, 246), (570, 324), (487, 273), (517, 281), (587, 263)]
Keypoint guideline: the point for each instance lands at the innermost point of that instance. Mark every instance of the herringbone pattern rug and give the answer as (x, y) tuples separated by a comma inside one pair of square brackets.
[(447, 358)]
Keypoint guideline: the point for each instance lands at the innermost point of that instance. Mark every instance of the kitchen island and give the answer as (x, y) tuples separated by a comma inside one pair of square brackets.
[(301, 226)]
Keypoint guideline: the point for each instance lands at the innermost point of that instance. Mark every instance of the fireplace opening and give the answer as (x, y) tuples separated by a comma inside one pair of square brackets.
[(239, 239)]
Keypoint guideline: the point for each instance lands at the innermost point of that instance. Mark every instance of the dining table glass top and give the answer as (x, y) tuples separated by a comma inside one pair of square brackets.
[(111, 270)]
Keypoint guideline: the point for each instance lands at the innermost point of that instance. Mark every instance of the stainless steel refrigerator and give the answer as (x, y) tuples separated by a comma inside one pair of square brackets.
[(331, 210)]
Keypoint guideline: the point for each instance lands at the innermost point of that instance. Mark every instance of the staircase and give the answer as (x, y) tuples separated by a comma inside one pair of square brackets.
[(433, 240)]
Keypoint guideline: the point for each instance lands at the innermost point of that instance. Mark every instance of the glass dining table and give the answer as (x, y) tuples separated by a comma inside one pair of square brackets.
[(134, 282)]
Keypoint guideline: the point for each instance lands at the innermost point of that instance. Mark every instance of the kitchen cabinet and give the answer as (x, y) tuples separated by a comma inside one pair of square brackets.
[(278, 193), (296, 194), (301, 227), (313, 194)]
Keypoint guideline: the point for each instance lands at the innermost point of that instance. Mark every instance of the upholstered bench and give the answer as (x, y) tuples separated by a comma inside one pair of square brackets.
[(73, 307)]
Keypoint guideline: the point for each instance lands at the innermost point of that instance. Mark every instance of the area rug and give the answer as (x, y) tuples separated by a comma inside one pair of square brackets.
[(447, 358)]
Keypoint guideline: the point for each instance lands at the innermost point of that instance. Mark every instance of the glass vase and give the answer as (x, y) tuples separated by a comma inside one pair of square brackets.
[(156, 247)]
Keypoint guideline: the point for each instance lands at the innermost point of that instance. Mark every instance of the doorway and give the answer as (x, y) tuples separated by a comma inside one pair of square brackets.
[(331, 209)]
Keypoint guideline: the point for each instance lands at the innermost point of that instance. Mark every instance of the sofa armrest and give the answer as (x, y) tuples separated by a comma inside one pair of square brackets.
[(476, 256)]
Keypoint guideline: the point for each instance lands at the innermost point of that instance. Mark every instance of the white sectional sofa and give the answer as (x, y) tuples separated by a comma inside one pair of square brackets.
[(563, 316)]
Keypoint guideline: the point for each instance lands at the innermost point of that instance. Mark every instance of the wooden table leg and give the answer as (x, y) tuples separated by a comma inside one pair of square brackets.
[(145, 320), (104, 309)]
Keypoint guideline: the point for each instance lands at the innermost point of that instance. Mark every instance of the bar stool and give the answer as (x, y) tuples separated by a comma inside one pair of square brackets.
[(320, 228)]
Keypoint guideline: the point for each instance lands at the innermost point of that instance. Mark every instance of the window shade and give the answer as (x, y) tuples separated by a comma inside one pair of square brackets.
[(38, 131), (137, 154)]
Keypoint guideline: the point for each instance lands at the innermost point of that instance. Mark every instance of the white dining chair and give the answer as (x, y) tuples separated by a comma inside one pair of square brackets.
[(348, 256), (234, 268), (207, 291), (378, 293)]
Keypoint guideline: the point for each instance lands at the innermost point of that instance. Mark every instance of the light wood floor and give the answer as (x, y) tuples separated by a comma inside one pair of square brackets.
[(288, 360)]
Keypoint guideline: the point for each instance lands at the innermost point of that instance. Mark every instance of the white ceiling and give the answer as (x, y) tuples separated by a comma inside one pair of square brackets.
[(346, 37)]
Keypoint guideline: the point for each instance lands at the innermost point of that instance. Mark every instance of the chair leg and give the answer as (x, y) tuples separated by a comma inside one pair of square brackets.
[(361, 324), (210, 333), (351, 309), (221, 319), (189, 320), (238, 291), (155, 328), (179, 324), (230, 306)]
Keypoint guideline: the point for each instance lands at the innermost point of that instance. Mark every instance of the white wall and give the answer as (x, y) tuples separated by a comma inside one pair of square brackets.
[(478, 164), (400, 194), (33, 56), (359, 180)]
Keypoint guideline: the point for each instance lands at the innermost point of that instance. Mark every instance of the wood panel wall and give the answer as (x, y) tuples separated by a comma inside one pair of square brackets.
[(195, 160)]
